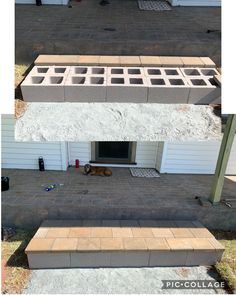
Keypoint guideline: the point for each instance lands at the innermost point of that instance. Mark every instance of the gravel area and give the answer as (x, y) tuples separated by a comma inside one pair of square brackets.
[(117, 121), (117, 280)]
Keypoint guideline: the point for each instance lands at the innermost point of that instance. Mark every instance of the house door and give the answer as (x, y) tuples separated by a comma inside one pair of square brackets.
[(113, 152)]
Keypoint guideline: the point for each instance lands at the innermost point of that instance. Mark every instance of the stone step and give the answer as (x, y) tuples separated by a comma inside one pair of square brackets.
[(122, 243)]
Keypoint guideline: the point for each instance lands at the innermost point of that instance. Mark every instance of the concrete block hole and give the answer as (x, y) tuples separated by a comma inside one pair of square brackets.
[(37, 80), (191, 72), (136, 81), (56, 80), (117, 71), (78, 80), (134, 71), (154, 72), (42, 70), (81, 70), (171, 72), (117, 80), (96, 80), (209, 72), (59, 70), (176, 82), (158, 82), (198, 82), (98, 71)]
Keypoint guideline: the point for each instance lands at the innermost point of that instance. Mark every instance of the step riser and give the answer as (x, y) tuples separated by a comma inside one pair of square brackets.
[(122, 259)]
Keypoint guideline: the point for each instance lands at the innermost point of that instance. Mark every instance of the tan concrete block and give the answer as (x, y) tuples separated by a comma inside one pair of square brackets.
[(79, 232), (39, 244), (89, 60), (150, 61), (122, 232), (217, 245), (109, 60), (67, 60), (48, 260), (111, 244), (41, 232), (160, 232), (182, 232), (64, 245), (200, 244), (101, 232), (171, 61), (88, 244), (179, 244), (59, 232), (190, 61), (134, 244), (201, 233), (142, 233), (133, 61), (157, 244), (208, 62)]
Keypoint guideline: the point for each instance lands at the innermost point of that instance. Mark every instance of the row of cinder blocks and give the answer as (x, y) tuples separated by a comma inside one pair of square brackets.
[(136, 61), (119, 84)]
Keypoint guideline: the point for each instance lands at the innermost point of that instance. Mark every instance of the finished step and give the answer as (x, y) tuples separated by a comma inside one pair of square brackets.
[(122, 243)]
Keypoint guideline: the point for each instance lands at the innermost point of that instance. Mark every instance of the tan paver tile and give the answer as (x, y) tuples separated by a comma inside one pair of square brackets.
[(88, 244), (191, 61), (160, 232), (201, 233), (179, 244), (182, 232), (134, 244), (142, 232), (157, 244), (112, 244), (130, 61), (89, 60), (56, 60), (65, 244), (208, 63), (41, 232), (217, 245), (201, 244), (122, 232), (171, 61), (150, 61), (79, 232), (39, 244), (59, 232), (109, 60), (101, 232)]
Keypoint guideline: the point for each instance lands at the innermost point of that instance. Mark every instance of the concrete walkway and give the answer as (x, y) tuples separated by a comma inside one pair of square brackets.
[(116, 280)]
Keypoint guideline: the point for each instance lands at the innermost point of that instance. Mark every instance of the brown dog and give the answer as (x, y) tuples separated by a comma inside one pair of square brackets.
[(94, 170)]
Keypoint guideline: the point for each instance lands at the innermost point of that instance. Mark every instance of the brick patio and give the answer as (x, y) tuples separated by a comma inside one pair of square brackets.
[(120, 196), (117, 29)]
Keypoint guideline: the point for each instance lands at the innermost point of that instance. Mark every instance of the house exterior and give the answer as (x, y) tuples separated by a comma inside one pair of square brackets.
[(58, 2), (166, 157)]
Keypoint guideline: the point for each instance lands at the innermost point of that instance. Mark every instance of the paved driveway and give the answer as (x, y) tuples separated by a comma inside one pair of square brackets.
[(116, 280)]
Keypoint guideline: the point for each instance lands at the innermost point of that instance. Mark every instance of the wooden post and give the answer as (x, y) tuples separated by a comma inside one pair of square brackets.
[(222, 161)]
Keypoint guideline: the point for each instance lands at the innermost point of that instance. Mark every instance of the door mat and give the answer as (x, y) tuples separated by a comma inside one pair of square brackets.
[(156, 5), (144, 172)]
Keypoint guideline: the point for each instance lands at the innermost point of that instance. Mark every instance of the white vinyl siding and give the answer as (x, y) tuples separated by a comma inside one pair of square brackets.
[(145, 154), (24, 155), (195, 2), (195, 158)]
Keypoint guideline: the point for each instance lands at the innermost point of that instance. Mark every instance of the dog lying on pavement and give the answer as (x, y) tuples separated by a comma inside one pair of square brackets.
[(95, 170)]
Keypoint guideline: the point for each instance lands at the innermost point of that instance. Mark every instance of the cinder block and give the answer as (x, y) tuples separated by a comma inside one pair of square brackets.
[(48, 260), (130, 61), (191, 72), (202, 257), (150, 61), (39, 70), (168, 258), (153, 72), (88, 70), (208, 63), (43, 88), (168, 90), (209, 72), (203, 91), (127, 88), (66, 60), (85, 88), (116, 71), (171, 61), (129, 258), (90, 259)]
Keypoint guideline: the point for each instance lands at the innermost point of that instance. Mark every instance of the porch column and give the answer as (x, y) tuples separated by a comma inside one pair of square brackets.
[(223, 158)]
